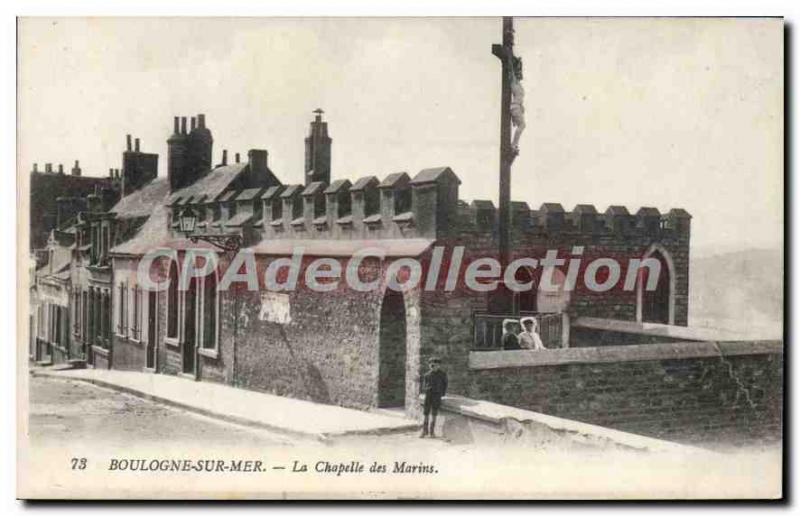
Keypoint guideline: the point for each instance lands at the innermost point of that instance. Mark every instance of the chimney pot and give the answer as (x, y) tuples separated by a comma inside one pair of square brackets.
[(193, 123), (48, 168), (128, 141), (237, 157), (177, 125), (35, 167), (60, 168), (201, 121), (183, 125), (224, 158), (110, 172), (136, 144)]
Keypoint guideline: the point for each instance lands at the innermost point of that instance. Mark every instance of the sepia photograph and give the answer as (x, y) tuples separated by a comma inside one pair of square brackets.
[(400, 258)]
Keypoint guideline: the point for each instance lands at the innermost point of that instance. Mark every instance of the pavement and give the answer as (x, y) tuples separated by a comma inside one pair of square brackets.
[(249, 408)]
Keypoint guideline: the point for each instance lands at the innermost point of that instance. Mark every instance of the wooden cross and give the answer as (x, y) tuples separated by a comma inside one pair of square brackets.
[(505, 52)]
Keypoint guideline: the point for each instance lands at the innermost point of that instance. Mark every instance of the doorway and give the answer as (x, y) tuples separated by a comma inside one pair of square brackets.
[(392, 351), (656, 302)]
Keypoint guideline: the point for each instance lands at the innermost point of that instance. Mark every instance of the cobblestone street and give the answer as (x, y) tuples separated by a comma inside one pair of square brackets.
[(65, 411)]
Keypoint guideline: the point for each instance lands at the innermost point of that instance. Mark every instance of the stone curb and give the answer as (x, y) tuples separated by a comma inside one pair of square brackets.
[(322, 437)]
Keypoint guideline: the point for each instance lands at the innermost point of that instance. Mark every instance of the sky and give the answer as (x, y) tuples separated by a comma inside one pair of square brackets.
[(639, 112)]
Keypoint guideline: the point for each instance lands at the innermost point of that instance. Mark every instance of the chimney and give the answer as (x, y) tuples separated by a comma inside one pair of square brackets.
[(138, 168), (36, 167), (183, 125), (48, 168), (201, 121), (193, 123), (128, 142), (177, 128), (224, 158), (111, 173), (76, 170), (318, 151), (257, 160), (237, 157), (60, 168)]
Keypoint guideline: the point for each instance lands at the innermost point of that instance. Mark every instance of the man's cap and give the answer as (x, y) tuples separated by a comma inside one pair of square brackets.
[(527, 319)]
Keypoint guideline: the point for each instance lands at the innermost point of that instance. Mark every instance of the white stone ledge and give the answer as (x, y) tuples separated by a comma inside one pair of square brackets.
[(632, 353), (496, 414), (657, 330)]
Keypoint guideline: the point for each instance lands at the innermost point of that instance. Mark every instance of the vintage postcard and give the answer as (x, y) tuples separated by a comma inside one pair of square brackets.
[(400, 258)]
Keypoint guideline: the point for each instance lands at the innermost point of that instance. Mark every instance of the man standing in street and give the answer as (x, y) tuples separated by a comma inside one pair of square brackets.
[(434, 384)]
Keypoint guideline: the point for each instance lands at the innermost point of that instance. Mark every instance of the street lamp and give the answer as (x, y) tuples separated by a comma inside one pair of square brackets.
[(187, 221)]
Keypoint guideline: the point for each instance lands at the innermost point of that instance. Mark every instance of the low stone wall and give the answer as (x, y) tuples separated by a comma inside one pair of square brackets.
[(690, 392), (102, 358), (128, 354), (468, 421)]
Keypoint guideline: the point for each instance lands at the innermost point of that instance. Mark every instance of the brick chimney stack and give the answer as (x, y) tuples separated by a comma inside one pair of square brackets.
[(138, 168), (318, 151), (76, 170), (35, 168)]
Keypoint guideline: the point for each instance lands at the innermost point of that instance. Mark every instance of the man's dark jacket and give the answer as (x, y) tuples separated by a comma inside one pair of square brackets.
[(436, 383)]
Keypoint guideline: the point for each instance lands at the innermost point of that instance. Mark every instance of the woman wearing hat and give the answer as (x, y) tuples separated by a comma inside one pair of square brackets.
[(529, 336)]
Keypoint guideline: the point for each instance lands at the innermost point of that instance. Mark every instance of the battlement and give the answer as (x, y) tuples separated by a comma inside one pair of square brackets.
[(551, 218), (401, 206)]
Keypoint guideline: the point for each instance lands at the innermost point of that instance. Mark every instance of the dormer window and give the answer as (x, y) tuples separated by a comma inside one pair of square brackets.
[(297, 207), (319, 206), (345, 208), (402, 200), (372, 202), (277, 209)]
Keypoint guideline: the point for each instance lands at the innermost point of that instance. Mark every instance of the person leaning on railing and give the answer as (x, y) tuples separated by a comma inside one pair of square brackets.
[(529, 336), (509, 339)]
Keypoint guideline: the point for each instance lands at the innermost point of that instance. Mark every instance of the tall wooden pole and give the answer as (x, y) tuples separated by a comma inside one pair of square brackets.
[(505, 53)]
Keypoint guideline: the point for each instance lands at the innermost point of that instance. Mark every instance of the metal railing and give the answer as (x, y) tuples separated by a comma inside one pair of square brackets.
[(488, 329)]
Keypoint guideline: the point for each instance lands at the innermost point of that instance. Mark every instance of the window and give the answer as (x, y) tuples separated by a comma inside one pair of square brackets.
[(402, 201), (372, 202), (84, 315), (122, 316), (172, 303), (104, 245), (297, 207), (210, 312), (137, 314), (319, 206), (343, 204), (277, 209)]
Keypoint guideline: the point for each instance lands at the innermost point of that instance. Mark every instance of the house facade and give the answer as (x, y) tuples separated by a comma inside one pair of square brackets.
[(344, 346)]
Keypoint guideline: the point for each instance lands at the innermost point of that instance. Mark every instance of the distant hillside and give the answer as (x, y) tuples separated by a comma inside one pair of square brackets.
[(741, 291)]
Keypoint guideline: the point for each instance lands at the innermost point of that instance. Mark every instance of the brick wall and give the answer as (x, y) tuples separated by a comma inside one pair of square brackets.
[(686, 392)]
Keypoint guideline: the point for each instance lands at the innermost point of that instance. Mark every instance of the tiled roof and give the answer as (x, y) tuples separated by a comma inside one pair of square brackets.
[(249, 194), (213, 183), (142, 202)]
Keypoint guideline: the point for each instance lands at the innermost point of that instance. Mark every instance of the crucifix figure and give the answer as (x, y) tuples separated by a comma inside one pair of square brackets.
[(517, 108)]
